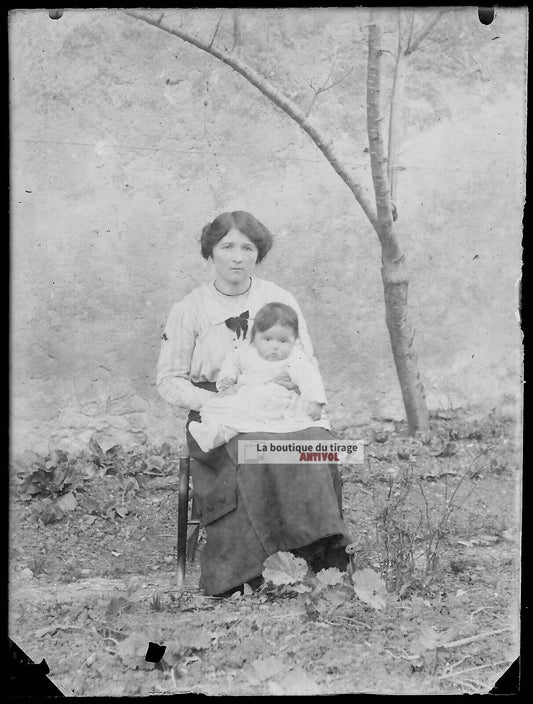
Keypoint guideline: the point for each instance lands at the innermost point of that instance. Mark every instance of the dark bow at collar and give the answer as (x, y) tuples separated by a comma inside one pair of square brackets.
[(239, 324)]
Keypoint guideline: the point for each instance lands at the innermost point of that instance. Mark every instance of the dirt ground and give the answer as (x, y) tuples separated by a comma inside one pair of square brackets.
[(436, 518)]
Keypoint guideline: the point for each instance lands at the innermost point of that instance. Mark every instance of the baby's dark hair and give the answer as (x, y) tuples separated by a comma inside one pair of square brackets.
[(275, 314)]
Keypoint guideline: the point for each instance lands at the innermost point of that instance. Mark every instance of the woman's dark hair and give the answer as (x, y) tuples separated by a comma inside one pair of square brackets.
[(275, 314), (214, 231)]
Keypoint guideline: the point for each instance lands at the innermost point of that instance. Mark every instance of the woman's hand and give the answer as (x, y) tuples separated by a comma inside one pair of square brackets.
[(285, 381), (314, 410)]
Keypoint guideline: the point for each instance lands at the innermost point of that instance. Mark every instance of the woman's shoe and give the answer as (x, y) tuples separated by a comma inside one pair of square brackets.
[(332, 553), (324, 553)]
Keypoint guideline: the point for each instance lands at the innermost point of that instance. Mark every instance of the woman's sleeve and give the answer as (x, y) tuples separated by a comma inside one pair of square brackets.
[(174, 365)]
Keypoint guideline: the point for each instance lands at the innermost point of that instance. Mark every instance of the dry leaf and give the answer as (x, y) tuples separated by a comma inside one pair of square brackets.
[(133, 649), (173, 654), (284, 568), (369, 587), (155, 462), (188, 641), (321, 605), (275, 689), (116, 605), (40, 632), (268, 668), (295, 682), (196, 639), (329, 577), (485, 540), (336, 596), (428, 639)]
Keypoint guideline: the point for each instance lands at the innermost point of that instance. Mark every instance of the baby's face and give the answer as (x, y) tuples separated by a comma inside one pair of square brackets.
[(275, 343)]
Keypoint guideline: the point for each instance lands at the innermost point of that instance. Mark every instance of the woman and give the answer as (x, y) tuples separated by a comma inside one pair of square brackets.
[(249, 511)]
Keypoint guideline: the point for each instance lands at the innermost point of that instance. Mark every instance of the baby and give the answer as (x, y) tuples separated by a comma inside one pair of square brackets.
[(250, 398)]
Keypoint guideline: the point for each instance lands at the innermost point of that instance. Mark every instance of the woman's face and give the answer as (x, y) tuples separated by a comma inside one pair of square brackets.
[(234, 257)]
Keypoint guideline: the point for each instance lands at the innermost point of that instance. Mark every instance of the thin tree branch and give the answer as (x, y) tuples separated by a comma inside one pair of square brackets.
[(216, 29), (321, 89), (414, 42), (339, 80), (236, 31), (411, 27), (473, 669), (324, 87), (322, 141), (472, 639)]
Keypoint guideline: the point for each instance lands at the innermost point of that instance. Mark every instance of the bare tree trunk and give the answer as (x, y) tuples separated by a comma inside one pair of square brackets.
[(394, 270), (395, 285)]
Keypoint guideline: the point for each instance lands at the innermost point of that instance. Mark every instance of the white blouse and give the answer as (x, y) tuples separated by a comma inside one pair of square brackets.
[(196, 339)]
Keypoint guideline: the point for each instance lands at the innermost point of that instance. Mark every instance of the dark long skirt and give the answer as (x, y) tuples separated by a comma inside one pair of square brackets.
[(251, 511)]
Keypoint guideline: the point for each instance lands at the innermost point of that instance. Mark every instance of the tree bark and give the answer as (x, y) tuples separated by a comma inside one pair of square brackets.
[(395, 286), (394, 270)]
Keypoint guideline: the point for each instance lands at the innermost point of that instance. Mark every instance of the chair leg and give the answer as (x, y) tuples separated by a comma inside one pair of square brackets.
[(183, 507), (193, 532)]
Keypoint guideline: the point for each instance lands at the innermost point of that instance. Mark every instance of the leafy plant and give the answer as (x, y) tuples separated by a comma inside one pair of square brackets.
[(411, 525), (55, 479), (58, 478), (397, 529), (58, 508), (50, 476), (322, 593), (156, 602), (136, 461)]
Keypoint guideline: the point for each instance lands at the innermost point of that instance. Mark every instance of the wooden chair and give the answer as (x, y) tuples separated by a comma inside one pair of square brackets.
[(188, 521)]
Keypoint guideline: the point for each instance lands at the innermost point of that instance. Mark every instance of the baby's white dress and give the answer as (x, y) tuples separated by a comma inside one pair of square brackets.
[(259, 403)]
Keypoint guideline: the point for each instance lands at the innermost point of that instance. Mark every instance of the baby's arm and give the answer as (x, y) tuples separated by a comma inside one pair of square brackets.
[(225, 383), (230, 370), (306, 375)]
